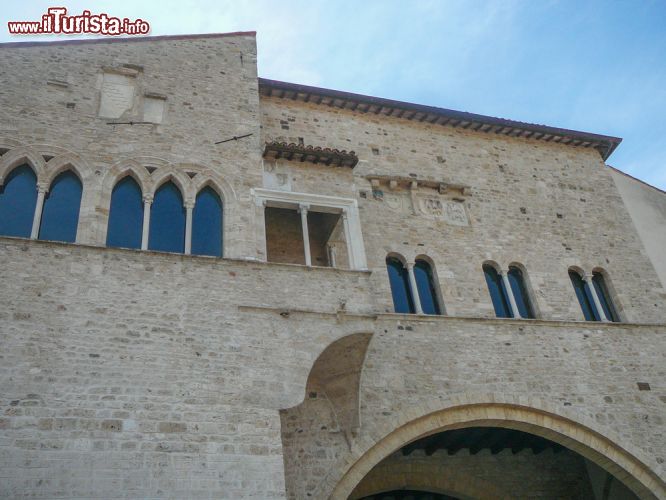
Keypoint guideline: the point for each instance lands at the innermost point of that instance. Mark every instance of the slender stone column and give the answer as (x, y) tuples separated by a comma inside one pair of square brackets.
[(147, 202), (37, 218), (189, 206), (303, 209), (332, 256), (509, 292), (261, 245), (415, 290), (595, 298), (350, 251)]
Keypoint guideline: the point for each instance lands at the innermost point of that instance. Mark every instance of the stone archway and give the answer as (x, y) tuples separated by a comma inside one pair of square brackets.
[(592, 445)]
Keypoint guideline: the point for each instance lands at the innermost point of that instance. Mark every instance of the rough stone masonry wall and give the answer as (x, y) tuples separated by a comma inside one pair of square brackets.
[(138, 374), (50, 98), (129, 374), (543, 205), (585, 371)]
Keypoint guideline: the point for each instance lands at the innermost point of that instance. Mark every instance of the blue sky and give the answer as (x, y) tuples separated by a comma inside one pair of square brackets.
[(596, 66)]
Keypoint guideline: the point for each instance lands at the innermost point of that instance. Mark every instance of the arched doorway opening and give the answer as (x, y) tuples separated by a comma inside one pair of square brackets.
[(626, 464), (487, 463)]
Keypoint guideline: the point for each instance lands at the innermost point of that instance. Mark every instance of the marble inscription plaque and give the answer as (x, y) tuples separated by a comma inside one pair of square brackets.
[(117, 95)]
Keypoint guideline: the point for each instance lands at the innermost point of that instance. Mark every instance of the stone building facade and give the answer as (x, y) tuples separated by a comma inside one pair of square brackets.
[(282, 370)]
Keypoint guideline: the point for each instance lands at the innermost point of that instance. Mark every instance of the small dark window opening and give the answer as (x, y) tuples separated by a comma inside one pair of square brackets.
[(60, 215), (425, 285), (584, 297), (519, 289), (207, 224), (284, 237), (400, 290), (18, 197), (604, 297), (328, 247), (497, 292), (167, 220), (126, 215)]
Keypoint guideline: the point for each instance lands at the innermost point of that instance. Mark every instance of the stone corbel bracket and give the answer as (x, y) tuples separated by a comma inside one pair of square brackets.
[(395, 182)]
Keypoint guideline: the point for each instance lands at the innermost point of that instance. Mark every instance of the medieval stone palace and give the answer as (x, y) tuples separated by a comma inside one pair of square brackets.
[(220, 286)]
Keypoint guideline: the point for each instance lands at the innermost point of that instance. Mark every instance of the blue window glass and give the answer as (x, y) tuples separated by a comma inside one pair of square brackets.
[(399, 280), (497, 292), (584, 297), (517, 281), (60, 215), (126, 215), (18, 197), (207, 224), (604, 297), (167, 220), (425, 285)]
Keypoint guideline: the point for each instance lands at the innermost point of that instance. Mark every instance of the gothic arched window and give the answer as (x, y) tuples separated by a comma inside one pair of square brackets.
[(425, 285), (18, 197), (400, 289), (520, 294), (167, 220), (497, 292), (604, 297), (126, 215), (60, 215), (207, 224), (584, 296)]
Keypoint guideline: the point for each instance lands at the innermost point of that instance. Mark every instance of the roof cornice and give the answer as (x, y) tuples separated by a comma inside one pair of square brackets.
[(604, 144)]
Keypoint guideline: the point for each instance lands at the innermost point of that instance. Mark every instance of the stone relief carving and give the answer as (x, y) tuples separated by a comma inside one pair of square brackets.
[(455, 214), (397, 202), (431, 206), (428, 198), (452, 212)]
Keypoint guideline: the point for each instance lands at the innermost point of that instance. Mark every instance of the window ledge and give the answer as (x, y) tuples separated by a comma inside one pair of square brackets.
[(515, 321), (431, 318), (138, 251)]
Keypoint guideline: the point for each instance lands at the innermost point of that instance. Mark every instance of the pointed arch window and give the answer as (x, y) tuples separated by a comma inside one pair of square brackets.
[(207, 224), (18, 198), (498, 293), (425, 285), (403, 301), (604, 296), (584, 296), (520, 294), (167, 220), (60, 215), (125, 215)]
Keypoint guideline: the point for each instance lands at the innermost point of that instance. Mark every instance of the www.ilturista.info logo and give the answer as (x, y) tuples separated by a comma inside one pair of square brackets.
[(57, 21)]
